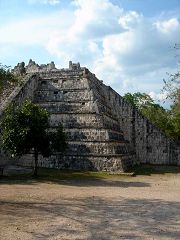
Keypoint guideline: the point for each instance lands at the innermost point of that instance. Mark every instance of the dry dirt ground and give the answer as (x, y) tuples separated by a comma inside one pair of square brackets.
[(143, 207)]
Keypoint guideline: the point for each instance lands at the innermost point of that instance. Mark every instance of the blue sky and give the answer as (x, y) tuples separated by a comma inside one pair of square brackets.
[(127, 43)]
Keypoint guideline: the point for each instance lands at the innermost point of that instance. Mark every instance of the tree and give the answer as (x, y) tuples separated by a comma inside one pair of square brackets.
[(139, 100), (172, 84), (172, 89), (154, 112), (6, 77), (25, 129)]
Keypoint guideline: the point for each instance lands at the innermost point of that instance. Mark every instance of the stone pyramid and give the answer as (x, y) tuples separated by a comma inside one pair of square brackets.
[(104, 132), (77, 99)]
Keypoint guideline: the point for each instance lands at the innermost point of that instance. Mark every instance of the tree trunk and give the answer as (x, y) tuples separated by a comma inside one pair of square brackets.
[(36, 162)]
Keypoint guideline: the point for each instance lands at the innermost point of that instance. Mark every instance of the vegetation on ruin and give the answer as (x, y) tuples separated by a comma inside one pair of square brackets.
[(172, 88), (168, 120), (25, 129), (7, 79)]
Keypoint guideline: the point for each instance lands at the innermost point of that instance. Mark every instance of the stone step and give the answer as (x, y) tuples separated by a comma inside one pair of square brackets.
[(88, 162), (96, 148), (84, 120), (69, 83), (114, 163), (93, 135), (63, 73), (84, 107), (70, 107), (63, 95)]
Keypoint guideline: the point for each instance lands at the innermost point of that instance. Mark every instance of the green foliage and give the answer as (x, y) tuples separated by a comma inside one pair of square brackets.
[(172, 90), (159, 116), (172, 84), (25, 129), (140, 100), (130, 99), (174, 131), (6, 77)]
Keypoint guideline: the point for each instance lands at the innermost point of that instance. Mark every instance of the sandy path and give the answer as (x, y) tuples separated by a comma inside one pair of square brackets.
[(141, 207)]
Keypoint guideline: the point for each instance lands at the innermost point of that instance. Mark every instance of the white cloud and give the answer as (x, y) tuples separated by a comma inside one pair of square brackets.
[(141, 56), (158, 96), (35, 30), (168, 26), (93, 20), (124, 48), (130, 20)]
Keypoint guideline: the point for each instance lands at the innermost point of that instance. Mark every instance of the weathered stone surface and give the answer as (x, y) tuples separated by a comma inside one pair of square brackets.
[(19, 69), (11, 170), (32, 67), (104, 132)]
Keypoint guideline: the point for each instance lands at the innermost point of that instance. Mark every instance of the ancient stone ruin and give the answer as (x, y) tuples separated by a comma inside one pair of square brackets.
[(103, 131)]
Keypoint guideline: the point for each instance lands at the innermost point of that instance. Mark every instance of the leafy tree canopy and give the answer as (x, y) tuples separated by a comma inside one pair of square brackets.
[(172, 89), (159, 116), (140, 100), (172, 84), (6, 77), (25, 129)]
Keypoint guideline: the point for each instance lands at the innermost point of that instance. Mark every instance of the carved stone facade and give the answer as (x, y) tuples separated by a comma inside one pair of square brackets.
[(104, 132)]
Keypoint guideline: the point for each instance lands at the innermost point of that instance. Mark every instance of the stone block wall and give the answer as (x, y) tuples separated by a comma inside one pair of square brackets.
[(21, 93), (147, 141)]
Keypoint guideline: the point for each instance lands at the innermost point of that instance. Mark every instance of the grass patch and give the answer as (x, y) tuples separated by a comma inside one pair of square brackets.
[(45, 173), (50, 174), (55, 175)]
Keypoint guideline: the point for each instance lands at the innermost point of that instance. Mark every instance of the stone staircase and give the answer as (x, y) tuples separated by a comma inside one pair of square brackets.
[(95, 140)]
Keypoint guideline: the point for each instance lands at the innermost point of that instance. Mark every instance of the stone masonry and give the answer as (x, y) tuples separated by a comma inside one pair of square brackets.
[(103, 131)]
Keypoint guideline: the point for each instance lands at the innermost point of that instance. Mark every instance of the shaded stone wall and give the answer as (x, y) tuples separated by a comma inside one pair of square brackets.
[(149, 143), (21, 93)]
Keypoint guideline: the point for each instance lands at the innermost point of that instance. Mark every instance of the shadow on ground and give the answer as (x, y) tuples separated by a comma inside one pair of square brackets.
[(86, 182), (82, 179), (94, 218), (73, 178), (155, 169)]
